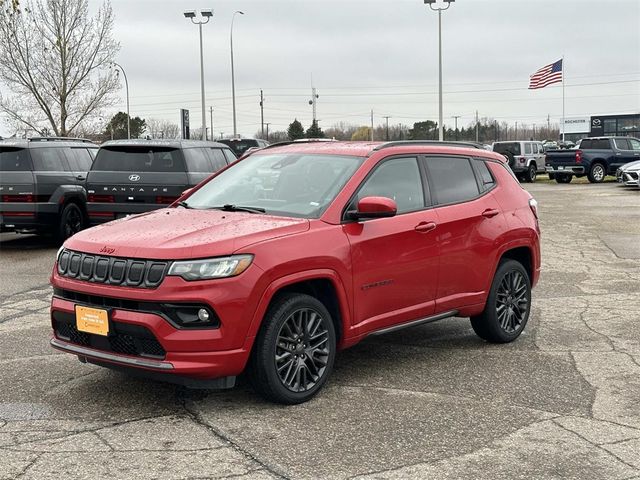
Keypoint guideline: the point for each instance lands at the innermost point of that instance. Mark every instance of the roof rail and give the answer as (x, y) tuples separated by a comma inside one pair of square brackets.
[(298, 142), (59, 139), (400, 143)]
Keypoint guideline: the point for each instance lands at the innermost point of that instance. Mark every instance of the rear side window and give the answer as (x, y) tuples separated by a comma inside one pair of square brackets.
[(138, 159), (634, 144), (486, 179), (217, 159), (80, 160), (49, 159), (451, 179), (398, 179), (231, 157), (14, 159), (622, 144), (601, 144), (197, 160), (507, 147), (527, 149)]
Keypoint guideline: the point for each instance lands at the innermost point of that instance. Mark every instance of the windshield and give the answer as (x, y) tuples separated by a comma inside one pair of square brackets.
[(138, 159), (292, 185), (508, 147)]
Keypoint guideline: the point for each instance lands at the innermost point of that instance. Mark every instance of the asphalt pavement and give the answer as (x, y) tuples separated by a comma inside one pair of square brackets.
[(432, 402)]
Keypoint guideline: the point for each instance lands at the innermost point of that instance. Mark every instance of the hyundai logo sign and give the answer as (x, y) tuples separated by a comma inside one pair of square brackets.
[(134, 178)]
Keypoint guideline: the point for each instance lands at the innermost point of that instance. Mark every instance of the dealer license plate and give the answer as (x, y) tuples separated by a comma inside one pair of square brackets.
[(92, 320)]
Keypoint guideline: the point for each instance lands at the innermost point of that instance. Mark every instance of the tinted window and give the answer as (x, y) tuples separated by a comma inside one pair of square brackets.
[(486, 179), (217, 159), (49, 159), (14, 159), (197, 160), (602, 144), (139, 159), (507, 147), (635, 144), (622, 144), (452, 179), (80, 160), (398, 179), (240, 146), (527, 149)]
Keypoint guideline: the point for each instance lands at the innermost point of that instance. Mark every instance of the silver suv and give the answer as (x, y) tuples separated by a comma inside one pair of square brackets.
[(526, 159)]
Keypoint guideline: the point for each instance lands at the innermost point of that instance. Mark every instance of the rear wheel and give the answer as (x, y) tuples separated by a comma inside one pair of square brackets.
[(531, 173), (563, 178), (597, 173), (294, 352), (552, 176), (72, 220), (508, 305)]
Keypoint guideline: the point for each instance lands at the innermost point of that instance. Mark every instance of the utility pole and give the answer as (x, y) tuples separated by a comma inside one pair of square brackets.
[(477, 128), (262, 111), (548, 123), (372, 124), (534, 132), (313, 101), (456, 117), (516, 131), (213, 137), (495, 127), (386, 117), (267, 124)]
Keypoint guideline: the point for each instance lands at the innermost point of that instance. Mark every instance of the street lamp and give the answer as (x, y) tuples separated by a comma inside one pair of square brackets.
[(233, 78), (431, 4), (126, 83), (206, 16)]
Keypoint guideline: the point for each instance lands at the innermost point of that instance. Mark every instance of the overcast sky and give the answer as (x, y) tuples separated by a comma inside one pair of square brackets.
[(379, 55)]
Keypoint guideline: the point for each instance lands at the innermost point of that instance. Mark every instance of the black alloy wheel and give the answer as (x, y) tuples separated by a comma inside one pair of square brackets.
[(508, 305), (294, 351), (71, 222)]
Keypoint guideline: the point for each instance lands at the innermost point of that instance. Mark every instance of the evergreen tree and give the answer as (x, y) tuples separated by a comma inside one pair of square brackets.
[(314, 131), (295, 130), (117, 127)]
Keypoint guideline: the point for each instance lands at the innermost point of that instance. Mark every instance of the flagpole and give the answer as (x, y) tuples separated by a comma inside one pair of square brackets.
[(563, 75)]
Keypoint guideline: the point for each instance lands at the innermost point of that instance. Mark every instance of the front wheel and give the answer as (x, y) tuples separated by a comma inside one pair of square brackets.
[(563, 178), (295, 350), (531, 174), (508, 305), (597, 173)]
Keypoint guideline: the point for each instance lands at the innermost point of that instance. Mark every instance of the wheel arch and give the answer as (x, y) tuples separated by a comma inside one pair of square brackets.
[(325, 285), (521, 254)]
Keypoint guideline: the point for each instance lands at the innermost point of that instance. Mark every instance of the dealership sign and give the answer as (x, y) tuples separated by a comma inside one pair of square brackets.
[(576, 125)]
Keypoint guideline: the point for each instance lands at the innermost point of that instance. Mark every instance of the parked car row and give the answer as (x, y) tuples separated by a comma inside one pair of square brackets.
[(59, 185)]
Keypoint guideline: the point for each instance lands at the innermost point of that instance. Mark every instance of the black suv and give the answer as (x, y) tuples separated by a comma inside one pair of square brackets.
[(136, 176), (241, 145), (42, 185)]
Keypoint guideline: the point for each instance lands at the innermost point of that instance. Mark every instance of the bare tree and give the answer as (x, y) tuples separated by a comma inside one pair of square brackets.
[(54, 58), (159, 128)]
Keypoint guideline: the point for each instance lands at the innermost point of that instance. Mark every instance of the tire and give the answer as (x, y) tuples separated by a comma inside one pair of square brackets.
[(72, 220), (597, 173), (272, 372), (531, 173), (552, 176), (563, 178), (508, 305)]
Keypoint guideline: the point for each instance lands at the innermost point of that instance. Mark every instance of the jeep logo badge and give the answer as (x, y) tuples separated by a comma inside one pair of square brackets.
[(134, 178)]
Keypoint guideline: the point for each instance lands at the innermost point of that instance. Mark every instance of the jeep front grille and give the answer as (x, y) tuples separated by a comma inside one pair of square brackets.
[(126, 272)]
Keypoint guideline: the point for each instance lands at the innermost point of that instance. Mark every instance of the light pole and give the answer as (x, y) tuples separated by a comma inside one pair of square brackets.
[(206, 16), (126, 84), (233, 77), (439, 10)]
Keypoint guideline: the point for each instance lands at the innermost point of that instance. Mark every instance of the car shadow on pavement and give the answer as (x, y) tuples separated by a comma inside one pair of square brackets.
[(12, 241)]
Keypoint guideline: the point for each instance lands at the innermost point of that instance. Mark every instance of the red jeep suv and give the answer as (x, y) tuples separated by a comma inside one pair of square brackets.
[(299, 250)]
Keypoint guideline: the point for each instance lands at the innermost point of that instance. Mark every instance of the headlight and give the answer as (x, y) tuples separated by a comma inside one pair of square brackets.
[(211, 267)]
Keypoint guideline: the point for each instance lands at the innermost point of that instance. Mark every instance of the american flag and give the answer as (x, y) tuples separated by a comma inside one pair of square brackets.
[(547, 75)]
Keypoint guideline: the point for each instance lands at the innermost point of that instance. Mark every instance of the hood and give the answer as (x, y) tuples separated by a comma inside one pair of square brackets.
[(633, 166), (178, 233)]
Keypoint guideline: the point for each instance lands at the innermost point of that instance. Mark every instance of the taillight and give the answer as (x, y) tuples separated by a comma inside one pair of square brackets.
[(166, 200), (18, 198), (579, 156), (101, 198), (523, 159), (533, 205)]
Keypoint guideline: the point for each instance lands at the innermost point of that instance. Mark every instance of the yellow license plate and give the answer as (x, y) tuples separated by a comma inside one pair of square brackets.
[(92, 320)]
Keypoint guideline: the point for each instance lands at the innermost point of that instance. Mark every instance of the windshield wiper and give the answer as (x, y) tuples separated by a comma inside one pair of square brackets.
[(184, 204), (238, 208)]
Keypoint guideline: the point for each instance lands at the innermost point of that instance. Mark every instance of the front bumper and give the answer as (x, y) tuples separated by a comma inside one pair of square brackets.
[(565, 169)]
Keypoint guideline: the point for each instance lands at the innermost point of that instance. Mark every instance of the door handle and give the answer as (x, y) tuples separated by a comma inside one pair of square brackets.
[(490, 212), (424, 227), (80, 177)]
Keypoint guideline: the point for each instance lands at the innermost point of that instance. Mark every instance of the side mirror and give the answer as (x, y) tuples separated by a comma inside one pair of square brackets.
[(374, 207)]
